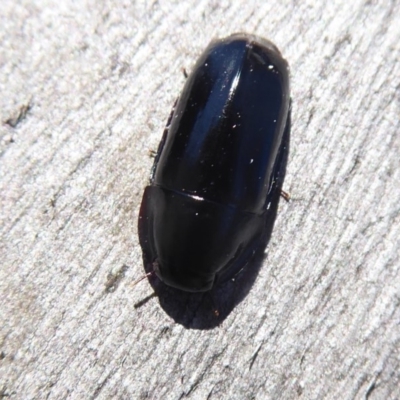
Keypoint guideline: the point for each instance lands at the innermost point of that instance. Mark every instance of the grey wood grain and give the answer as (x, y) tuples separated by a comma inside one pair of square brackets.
[(86, 88)]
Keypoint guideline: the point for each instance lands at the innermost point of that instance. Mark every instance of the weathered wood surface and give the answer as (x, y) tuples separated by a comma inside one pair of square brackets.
[(86, 88)]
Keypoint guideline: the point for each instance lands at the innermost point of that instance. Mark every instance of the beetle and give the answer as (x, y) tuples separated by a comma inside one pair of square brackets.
[(218, 164)]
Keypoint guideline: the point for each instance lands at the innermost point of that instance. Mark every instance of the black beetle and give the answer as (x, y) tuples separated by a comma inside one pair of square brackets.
[(217, 166)]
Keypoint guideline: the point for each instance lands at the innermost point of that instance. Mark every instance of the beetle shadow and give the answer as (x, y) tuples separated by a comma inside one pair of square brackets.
[(209, 309)]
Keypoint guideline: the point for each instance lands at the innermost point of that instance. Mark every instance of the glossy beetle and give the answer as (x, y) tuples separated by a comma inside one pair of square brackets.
[(217, 165)]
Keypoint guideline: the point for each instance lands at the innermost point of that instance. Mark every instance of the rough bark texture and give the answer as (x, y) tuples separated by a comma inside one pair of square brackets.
[(86, 88)]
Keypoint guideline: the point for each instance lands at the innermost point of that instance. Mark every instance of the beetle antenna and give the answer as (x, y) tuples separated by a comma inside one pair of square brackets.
[(151, 273)]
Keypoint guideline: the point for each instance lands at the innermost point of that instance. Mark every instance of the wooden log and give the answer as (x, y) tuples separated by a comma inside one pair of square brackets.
[(86, 90)]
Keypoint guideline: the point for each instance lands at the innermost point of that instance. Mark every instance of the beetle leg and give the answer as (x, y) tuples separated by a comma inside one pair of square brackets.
[(285, 195), (151, 273), (152, 153)]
